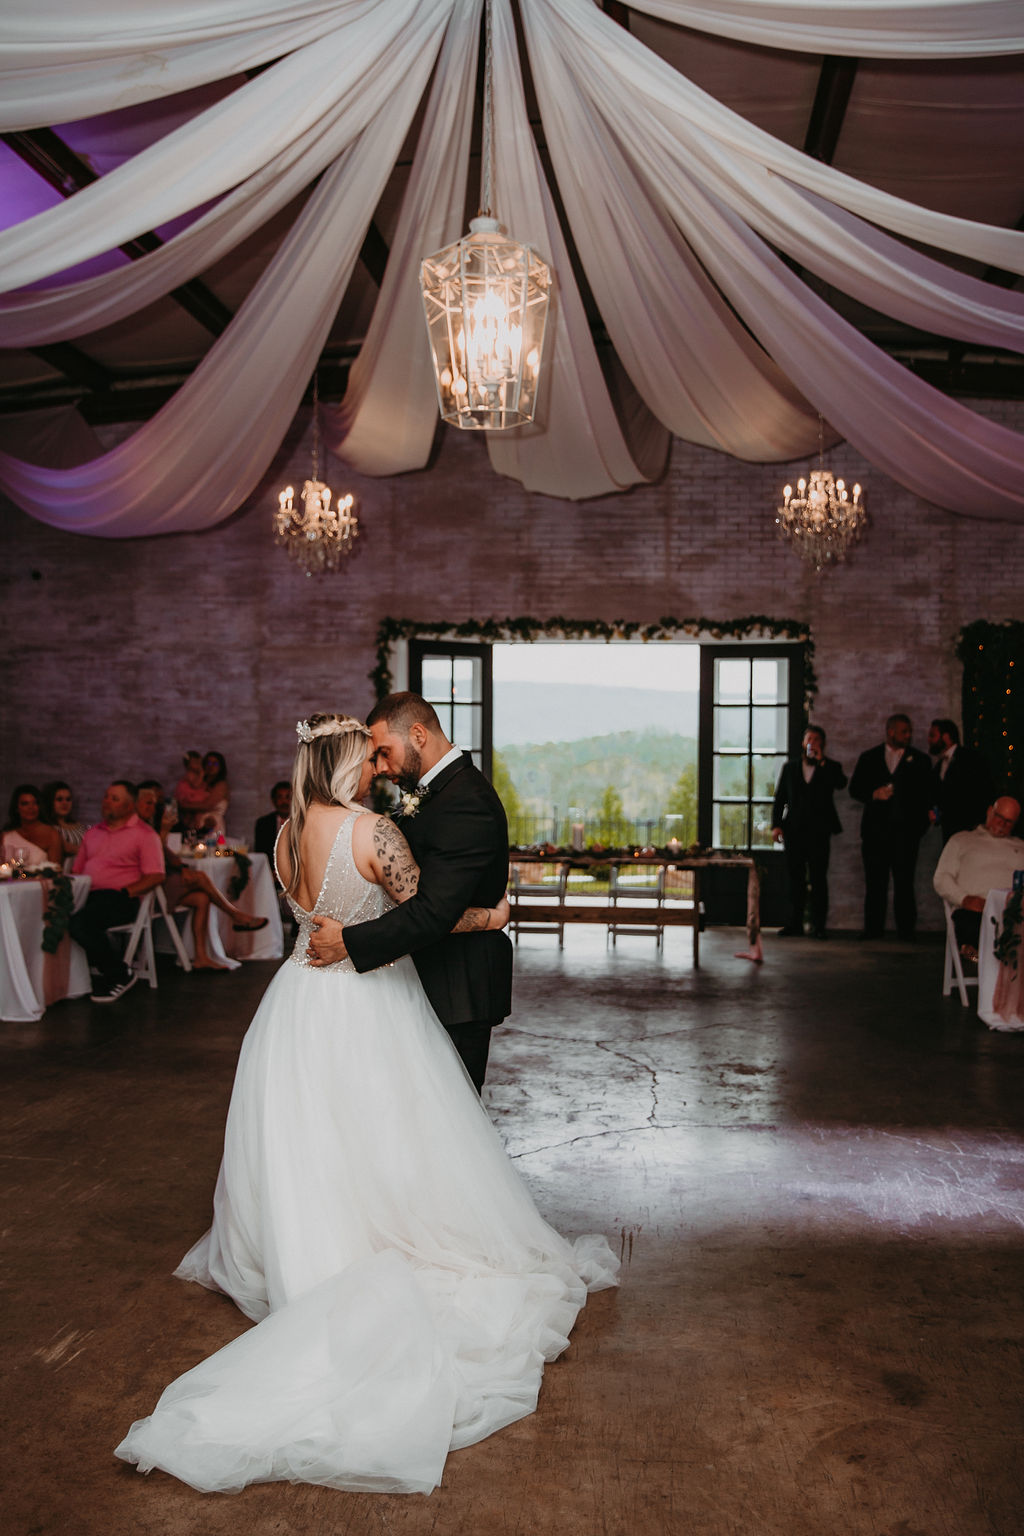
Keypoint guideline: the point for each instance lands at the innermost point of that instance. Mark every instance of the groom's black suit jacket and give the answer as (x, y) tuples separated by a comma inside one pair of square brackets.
[(459, 838)]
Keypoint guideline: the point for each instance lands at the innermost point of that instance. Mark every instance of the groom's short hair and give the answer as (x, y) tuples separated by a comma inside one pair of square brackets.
[(401, 711)]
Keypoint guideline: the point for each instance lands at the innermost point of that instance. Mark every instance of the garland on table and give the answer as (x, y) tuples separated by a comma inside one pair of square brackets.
[(993, 694), (493, 631), (1008, 942), (240, 879), (60, 901)]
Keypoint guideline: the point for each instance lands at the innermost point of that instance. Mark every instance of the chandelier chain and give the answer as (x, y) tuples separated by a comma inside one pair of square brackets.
[(487, 147), (316, 422)]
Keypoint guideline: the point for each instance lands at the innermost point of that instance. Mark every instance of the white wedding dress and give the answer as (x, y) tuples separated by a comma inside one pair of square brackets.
[(405, 1289)]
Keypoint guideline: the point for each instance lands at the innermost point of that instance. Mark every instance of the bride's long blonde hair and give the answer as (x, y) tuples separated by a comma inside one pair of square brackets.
[(328, 764)]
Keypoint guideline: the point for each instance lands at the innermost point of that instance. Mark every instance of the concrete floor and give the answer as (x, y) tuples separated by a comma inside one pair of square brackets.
[(815, 1171)]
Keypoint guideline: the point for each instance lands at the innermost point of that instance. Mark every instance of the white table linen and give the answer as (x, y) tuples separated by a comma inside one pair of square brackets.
[(259, 898), (988, 965), (27, 975)]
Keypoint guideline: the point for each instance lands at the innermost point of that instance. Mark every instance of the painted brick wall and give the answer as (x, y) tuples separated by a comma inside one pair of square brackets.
[(119, 655)]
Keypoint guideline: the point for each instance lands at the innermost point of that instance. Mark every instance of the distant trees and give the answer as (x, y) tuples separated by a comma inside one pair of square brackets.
[(683, 802), (610, 824), (506, 790)]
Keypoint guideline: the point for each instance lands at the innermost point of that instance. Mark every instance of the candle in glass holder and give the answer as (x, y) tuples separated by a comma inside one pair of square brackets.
[(577, 836), (673, 845), (5, 871), (199, 851)]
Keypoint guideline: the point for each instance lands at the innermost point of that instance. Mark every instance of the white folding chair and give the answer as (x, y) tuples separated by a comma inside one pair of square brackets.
[(628, 884), (954, 966), (140, 936)]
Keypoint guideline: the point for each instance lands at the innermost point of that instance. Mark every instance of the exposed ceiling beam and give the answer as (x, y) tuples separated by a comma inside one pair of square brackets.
[(49, 156), (374, 253), (831, 99), (76, 365), (138, 396)]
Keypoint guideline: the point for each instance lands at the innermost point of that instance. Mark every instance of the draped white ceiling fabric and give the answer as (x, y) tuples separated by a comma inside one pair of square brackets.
[(677, 208)]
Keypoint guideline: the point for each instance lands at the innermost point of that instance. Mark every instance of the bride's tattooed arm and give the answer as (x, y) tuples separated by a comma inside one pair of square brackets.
[(400, 876)]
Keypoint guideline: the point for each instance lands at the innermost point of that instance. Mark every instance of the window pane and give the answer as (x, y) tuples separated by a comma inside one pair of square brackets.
[(770, 727), (761, 826), (730, 826), (732, 680), (437, 678), (766, 774), (732, 728), (730, 777), (467, 679), (771, 680), (466, 726)]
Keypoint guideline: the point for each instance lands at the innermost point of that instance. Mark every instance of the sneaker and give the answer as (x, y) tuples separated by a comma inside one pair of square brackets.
[(110, 994)]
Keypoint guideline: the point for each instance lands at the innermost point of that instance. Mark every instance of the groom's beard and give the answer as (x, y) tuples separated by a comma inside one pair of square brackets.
[(412, 769)]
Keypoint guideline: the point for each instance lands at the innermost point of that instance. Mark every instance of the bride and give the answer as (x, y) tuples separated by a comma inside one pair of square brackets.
[(405, 1289)]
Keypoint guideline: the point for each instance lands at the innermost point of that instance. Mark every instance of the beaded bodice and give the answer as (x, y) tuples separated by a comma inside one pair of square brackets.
[(344, 894)]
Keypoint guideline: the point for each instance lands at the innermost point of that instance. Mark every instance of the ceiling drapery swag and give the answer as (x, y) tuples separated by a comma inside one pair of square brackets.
[(677, 208)]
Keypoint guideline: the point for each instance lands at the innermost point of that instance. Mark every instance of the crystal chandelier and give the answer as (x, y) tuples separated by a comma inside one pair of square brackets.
[(319, 536), (823, 520), (486, 303)]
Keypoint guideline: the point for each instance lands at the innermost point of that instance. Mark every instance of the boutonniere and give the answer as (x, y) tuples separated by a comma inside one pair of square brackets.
[(410, 800)]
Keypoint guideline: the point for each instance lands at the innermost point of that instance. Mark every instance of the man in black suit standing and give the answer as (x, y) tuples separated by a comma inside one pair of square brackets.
[(893, 782), (268, 826), (804, 819), (458, 833), (962, 783)]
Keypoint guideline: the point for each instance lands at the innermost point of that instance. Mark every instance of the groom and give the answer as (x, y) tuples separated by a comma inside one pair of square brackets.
[(457, 830)]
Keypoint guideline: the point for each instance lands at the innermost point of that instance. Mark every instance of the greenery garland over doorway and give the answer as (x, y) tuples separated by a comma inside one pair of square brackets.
[(993, 695), (496, 631)]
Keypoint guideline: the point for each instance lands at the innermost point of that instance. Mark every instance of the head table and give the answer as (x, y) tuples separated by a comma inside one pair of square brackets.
[(29, 979)]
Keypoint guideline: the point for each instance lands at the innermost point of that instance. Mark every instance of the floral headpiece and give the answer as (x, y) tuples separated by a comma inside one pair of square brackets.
[(307, 733)]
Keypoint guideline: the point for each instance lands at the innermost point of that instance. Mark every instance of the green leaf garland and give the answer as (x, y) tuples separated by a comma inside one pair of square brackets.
[(60, 902), (492, 631), (993, 695)]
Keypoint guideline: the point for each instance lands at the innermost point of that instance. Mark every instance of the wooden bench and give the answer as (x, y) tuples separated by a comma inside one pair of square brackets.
[(571, 914)]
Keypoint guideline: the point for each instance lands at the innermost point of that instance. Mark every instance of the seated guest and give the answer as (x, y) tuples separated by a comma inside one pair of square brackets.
[(186, 887), (974, 863), (149, 793), (123, 859), (26, 835), (190, 790), (218, 793), (59, 811), (268, 826)]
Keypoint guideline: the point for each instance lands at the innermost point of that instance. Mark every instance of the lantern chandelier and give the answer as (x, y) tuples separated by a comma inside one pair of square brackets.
[(486, 303), (320, 535), (823, 520)]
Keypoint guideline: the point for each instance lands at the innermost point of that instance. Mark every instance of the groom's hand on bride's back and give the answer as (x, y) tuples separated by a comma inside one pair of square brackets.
[(326, 942)]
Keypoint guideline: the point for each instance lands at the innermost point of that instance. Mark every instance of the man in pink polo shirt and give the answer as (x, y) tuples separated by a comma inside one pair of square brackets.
[(124, 859)]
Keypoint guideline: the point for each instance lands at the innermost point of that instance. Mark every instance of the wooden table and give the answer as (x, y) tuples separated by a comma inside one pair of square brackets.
[(651, 914)]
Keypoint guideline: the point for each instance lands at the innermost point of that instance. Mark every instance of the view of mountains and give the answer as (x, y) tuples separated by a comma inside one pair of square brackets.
[(531, 712), (642, 765)]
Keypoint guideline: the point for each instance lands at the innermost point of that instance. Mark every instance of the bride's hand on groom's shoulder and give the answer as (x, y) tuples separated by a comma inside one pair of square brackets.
[(327, 942)]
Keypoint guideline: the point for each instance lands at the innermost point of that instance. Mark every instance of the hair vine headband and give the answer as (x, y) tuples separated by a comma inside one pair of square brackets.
[(307, 733)]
